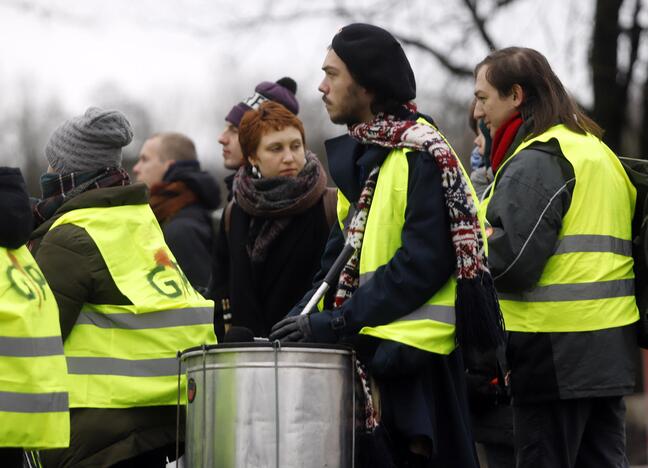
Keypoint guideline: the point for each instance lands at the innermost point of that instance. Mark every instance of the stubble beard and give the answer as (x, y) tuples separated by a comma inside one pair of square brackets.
[(349, 112)]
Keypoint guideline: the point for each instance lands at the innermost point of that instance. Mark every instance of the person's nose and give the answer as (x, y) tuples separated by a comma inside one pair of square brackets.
[(289, 156), (478, 113), (222, 139), (137, 168), (323, 87)]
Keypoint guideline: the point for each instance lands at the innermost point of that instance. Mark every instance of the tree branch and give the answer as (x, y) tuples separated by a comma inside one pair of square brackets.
[(634, 35), (443, 59), (480, 23), (501, 3)]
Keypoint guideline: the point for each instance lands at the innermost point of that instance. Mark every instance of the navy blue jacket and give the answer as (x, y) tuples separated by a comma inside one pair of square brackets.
[(419, 268)]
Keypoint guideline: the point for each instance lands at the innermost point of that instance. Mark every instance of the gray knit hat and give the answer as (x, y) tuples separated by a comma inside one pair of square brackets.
[(89, 142)]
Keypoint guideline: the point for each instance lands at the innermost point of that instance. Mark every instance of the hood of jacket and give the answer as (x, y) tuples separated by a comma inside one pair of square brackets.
[(198, 181)]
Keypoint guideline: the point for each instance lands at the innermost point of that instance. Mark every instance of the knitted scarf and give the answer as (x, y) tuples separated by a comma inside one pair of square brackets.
[(272, 202), (479, 320), (502, 140), (167, 198), (57, 188), (350, 274)]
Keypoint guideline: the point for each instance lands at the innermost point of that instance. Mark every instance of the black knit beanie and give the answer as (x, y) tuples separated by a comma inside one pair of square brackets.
[(376, 60)]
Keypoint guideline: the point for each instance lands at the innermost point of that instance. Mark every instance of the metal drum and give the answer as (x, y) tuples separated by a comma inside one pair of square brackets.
[(264, 405)]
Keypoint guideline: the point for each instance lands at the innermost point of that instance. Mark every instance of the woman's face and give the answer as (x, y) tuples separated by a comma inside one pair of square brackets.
[(280, 153), (480, 141)]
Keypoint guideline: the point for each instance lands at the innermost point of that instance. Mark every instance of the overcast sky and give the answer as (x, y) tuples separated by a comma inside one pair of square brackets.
[(190, 61)]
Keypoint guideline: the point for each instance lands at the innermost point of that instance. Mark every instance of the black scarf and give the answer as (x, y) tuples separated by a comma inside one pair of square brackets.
[(272, 202)]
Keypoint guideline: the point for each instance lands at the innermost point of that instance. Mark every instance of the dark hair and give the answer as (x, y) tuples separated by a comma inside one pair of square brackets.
[(176, 147), (472, 121), (545, 97), (379, 103), (270, 116), (388, 105)]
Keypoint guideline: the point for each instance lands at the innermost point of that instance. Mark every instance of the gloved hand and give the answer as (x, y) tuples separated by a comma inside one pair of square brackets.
[(292, 329)]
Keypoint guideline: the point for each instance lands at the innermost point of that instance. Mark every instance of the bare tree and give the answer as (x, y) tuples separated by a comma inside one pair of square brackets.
[(611, 76)]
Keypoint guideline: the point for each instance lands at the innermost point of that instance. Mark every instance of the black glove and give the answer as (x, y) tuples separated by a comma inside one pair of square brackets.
[(292, 329)]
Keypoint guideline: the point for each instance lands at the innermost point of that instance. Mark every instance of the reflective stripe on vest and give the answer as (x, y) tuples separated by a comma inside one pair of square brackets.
[(33, 373), (132, 361), (588, 282), (439, 313), (12, 346), (163, 319), (34, 403), (430, 327), (123, 367)]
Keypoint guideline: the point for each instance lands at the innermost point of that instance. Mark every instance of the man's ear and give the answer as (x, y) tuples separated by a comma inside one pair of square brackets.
[(518, 95)]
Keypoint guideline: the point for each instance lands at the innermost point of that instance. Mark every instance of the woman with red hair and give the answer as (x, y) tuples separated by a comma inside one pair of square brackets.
[(274, 231)]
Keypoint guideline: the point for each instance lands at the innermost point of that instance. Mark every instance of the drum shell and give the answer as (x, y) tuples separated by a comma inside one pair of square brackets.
[(262, 406)]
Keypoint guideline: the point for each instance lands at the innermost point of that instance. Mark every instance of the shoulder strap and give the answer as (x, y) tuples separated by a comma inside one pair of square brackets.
[(228, 216), (330, 205)]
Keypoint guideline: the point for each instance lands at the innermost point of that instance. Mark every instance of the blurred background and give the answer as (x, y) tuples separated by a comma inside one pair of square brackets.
[(180, 66)]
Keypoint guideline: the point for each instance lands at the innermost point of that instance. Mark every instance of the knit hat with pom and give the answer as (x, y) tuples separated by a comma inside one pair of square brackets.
[(282, 91)]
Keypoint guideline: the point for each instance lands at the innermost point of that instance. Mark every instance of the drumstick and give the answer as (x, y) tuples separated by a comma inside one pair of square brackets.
[(330, 277)]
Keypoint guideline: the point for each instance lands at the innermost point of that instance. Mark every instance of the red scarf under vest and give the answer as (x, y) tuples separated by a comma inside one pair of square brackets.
[(503, 138)]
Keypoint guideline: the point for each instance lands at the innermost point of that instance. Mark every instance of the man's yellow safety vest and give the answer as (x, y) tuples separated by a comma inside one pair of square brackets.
[(122, 356), (33, 375), (588, 282), (431, 327)]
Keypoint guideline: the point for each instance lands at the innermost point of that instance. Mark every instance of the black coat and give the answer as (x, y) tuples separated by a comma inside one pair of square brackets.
[(421, 393), (260, 294), (190, 232), (16, 221)]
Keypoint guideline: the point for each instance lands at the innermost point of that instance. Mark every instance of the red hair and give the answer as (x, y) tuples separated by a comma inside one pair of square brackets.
[(269, 117)]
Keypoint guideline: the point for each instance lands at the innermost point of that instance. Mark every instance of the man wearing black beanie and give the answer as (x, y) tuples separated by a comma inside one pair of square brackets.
[(418, 282)]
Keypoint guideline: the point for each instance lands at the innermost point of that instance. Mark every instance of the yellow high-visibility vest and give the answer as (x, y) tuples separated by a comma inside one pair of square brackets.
[(431, 327), (122, 356), (588, 282), (33, 375)]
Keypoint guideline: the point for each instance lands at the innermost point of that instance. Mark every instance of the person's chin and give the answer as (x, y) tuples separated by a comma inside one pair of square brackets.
[(338, 118)]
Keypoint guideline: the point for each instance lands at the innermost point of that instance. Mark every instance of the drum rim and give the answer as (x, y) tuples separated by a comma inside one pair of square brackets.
[(266, 345)]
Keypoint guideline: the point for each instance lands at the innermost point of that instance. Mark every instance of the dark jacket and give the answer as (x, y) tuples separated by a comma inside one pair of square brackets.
[(421, 393), (408, 280), (229, 185), (16, 219), (260, 294), (532, 195), (77, 274), (190, 232)]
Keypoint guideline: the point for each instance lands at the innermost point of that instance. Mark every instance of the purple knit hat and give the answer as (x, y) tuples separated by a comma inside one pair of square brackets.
[(282, 92)]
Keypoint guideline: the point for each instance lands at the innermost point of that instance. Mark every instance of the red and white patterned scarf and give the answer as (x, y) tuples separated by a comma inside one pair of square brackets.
[(479, 320)]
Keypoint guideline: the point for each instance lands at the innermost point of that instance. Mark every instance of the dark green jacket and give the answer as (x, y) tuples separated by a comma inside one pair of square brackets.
[(77, 273)]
